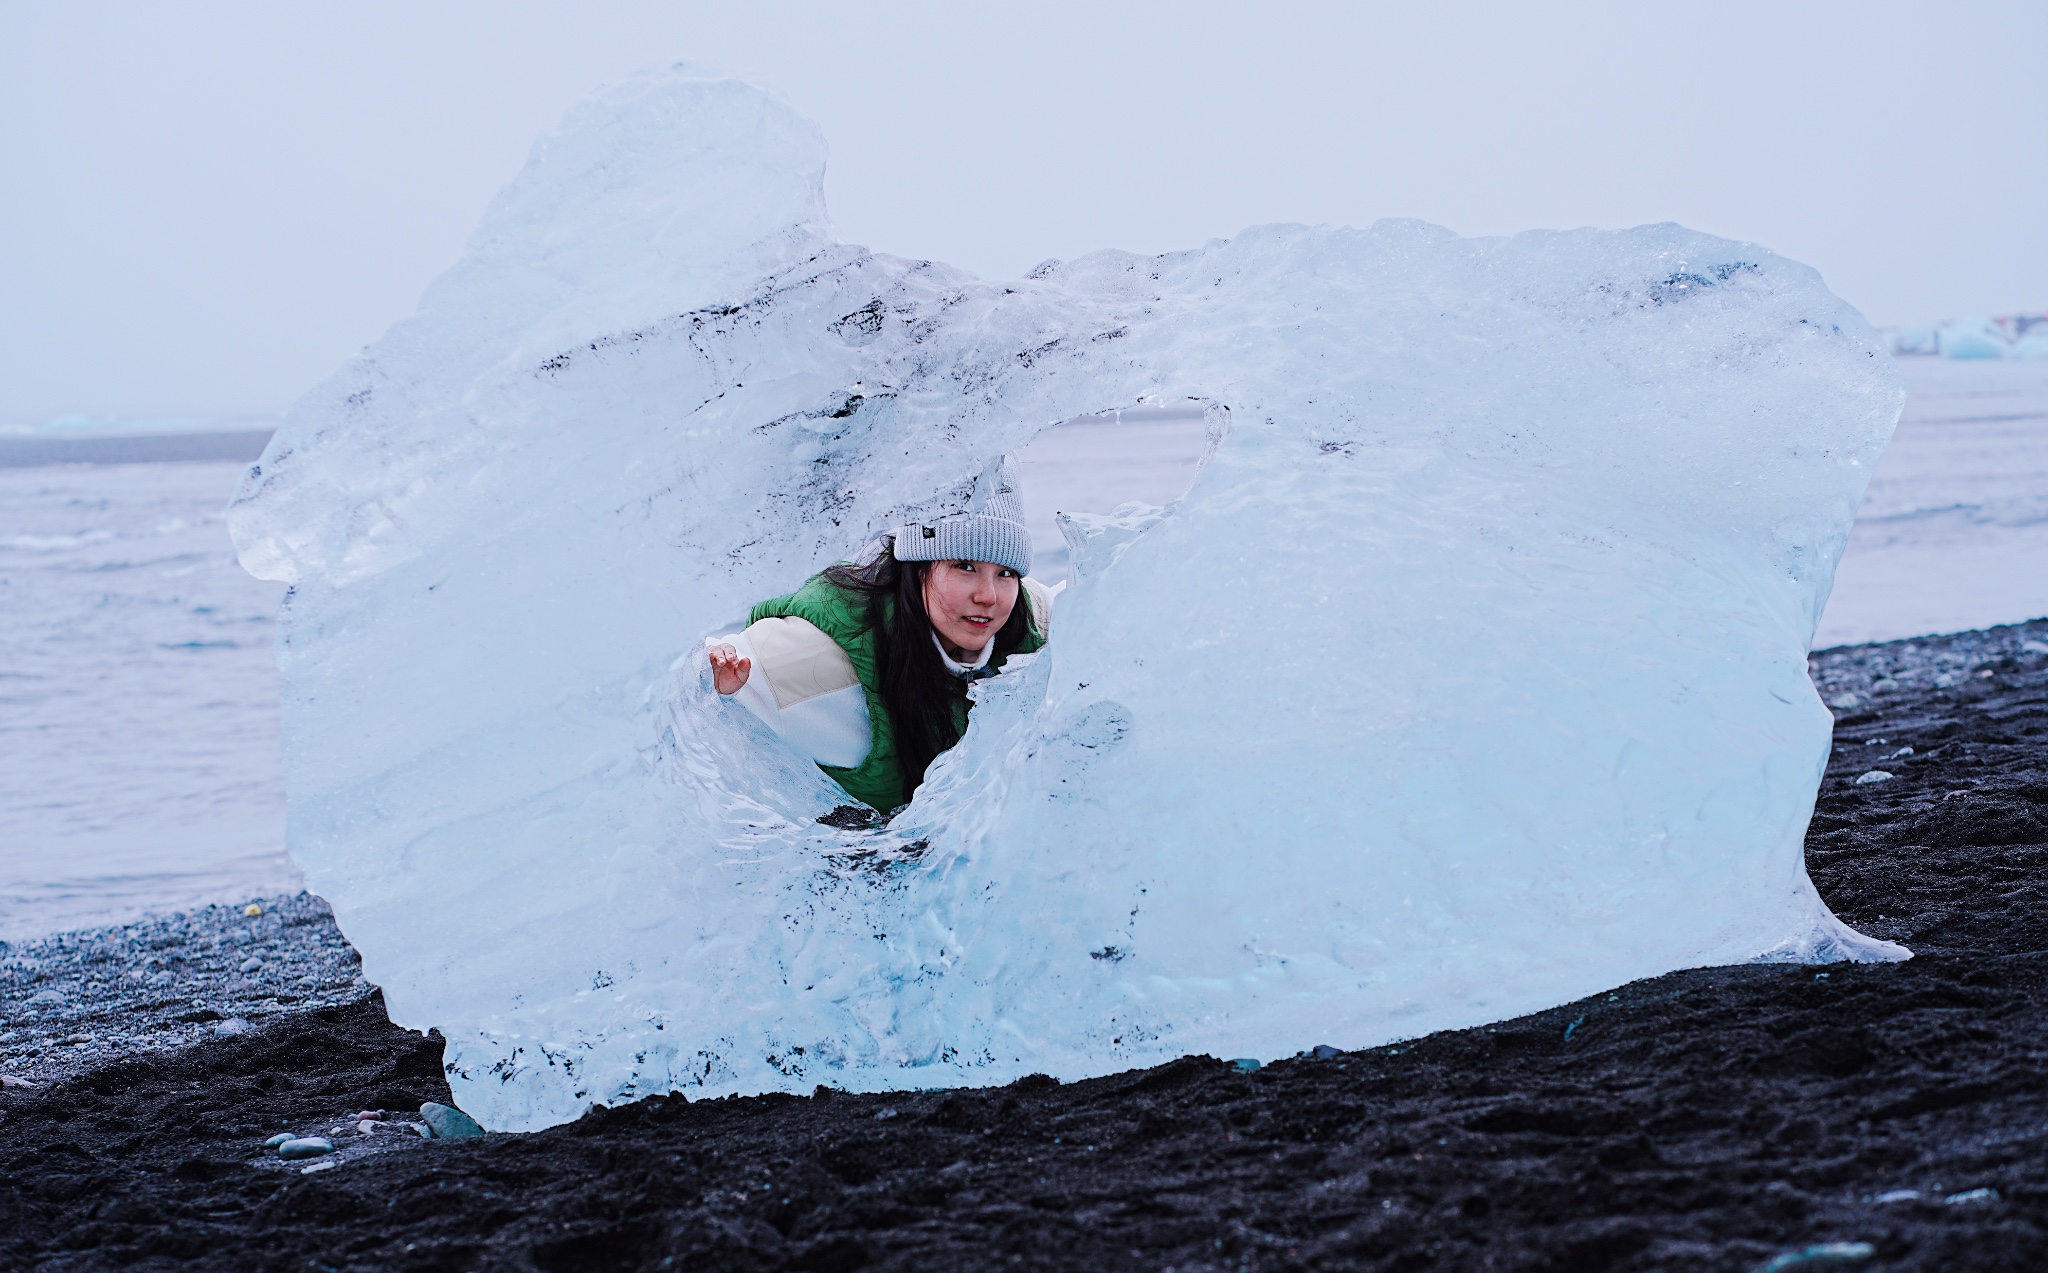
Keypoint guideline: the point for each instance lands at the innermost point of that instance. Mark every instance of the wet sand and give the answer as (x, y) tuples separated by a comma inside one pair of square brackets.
[(1850, 1116)]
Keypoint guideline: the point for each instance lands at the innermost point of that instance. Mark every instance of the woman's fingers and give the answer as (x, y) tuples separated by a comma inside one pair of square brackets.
[(728, 670)]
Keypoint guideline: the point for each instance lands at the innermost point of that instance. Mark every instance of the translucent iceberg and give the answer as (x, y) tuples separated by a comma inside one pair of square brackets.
[(1917, 340), (1468, 677), (2033, 342), (1974, 338)]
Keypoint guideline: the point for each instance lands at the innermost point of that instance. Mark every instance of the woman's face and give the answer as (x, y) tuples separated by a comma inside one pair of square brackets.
[(968, 602)]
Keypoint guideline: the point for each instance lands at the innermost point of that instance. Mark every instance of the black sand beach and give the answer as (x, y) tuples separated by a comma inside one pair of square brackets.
[(1759, 1117)]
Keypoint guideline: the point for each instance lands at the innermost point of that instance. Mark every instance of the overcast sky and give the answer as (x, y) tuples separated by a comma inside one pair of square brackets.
[(209, 206)]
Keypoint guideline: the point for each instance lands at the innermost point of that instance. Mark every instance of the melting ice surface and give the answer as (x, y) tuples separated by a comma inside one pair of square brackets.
[(1467, 678)]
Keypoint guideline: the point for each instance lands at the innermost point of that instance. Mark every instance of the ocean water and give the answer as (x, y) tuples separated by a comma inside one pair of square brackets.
[(1953, 532), (139, 763)]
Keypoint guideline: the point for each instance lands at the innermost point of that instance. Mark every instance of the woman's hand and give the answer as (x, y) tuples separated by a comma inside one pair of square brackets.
[(728, 670)]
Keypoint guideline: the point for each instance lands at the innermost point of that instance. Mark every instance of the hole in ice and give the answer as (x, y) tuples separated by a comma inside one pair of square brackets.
[(1090, 486), (1091, 465)]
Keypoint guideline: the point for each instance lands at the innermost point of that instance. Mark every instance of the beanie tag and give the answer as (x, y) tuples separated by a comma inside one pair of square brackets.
[(930, 532)]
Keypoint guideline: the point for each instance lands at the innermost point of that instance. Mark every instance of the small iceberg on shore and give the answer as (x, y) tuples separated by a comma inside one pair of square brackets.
[(1974, 338), (1469, 677)]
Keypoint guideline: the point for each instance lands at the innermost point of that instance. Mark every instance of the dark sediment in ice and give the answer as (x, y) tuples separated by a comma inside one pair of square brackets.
[(1713, 1119)]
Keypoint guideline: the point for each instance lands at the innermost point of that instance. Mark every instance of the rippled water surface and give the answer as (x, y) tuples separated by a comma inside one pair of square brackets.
[(1953, 533), (139, 764)]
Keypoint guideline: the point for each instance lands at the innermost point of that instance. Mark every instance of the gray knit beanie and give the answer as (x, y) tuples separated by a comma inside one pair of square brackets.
[(992, 528)]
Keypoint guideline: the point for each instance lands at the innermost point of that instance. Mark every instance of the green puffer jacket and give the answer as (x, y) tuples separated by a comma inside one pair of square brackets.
[(878, 780)]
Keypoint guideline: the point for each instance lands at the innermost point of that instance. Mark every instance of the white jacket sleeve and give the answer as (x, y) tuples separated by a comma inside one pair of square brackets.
[(804, 688)]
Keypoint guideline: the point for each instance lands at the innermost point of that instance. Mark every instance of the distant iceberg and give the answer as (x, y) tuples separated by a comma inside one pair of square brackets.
[(1917, 340), (1974, 338), (1468, 678), (2033, 343)]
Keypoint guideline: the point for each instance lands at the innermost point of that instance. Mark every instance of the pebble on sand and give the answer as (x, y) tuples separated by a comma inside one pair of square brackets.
[(231, 1026), (1823, 1254), (448, 1122), (1875, 775), (305, 1147), (1245, 1064), (277, 1140), (252, 964)]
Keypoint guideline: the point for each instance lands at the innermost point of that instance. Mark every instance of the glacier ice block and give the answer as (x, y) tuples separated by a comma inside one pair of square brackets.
[(1468, 677)]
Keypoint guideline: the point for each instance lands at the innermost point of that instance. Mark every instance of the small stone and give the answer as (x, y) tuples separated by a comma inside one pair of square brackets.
[(366, 1127), (310, 1168), (2034, 647), (1884, 684), (1971, 1195), (251, 964), (1875, 775), (372, 1115), (422, 1130), (305, 1147), (1843, 702), (46, 999), (11, 1080), (883, 1115), (1890, 1196), (1323, 1052), (277, 1140), (448, 1122), (1822, 1254), (253, 909), (231, 1026), (1244, 1064)]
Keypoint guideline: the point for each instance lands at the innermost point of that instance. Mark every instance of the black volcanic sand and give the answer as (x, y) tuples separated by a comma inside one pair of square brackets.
[(1890, 1116)]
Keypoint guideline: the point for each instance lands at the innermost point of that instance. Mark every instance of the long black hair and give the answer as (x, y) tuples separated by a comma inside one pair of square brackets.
[(923, 698)]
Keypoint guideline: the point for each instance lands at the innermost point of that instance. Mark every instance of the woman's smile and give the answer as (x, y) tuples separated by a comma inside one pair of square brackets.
[(967, 602)]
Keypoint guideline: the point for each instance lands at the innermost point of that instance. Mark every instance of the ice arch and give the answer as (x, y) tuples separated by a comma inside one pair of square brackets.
[(1468, 677)]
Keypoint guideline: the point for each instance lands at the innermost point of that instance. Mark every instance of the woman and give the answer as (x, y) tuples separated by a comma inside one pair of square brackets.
[(865, 668)]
